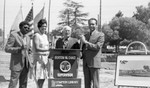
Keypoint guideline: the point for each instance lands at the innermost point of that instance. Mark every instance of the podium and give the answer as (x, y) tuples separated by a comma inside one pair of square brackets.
[(65, 68)]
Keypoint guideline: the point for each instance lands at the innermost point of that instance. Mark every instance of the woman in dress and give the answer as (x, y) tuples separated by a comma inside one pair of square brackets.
[(41, 52)]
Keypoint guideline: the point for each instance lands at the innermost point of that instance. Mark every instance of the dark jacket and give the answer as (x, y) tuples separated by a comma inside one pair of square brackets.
[(60, 43)]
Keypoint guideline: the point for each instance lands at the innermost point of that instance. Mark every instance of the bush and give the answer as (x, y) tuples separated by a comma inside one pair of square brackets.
[(109, 58)]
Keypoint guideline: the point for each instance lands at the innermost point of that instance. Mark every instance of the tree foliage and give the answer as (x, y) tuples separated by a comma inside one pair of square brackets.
[(142, 13), (57, 31), (72, 14), (129, 28), (124, 30), (119, 14), (146, 67)]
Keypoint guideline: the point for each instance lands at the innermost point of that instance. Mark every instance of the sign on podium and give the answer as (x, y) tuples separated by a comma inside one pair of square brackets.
[(65, 68)]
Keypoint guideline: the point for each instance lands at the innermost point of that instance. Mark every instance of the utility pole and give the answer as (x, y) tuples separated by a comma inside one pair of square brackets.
[(100, 14), (4, 24), (49, 18), (68, 18)]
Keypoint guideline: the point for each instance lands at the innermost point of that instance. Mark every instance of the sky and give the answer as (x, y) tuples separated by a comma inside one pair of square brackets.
[(109, 9)]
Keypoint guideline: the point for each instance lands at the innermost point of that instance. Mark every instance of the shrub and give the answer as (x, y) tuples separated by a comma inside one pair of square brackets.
[(109, 57)]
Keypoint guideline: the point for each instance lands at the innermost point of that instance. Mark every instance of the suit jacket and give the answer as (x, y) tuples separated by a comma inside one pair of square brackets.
[(92, 52), (60, 43), (13, 46)]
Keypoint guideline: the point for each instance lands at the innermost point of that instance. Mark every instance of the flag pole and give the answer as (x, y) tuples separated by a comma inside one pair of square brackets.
[(21, 3), (33, 16), (49, 18), (4, 24), (32, 7), (100, 14)]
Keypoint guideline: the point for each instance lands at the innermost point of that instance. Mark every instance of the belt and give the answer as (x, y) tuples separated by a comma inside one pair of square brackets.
[(45, 54), (42, 54)]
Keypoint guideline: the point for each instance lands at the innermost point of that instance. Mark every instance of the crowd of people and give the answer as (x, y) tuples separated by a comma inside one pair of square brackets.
[(22, 50)]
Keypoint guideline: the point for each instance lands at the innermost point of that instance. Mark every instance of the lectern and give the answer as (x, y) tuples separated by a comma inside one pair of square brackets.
[(65, 68)]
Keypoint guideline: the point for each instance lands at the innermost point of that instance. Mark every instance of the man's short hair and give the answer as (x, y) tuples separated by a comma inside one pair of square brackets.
[(23, 23), (92, 19), (41, 22)]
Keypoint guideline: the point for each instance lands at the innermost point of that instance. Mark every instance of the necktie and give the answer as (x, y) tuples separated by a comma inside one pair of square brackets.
[(25, 51)]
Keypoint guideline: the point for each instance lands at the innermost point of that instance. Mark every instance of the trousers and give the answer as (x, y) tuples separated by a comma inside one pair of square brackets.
[(91, 77), (22, 76)]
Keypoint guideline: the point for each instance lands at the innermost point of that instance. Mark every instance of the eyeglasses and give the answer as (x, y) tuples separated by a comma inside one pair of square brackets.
[(26, 27), (43, 26), (91, 24)]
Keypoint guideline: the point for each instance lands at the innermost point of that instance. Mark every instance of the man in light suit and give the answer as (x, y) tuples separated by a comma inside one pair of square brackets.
[(18, 45), (91, 54)]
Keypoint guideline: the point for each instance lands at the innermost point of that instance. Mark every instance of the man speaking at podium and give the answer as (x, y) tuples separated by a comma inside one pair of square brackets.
[(68, 41), (91, 54)]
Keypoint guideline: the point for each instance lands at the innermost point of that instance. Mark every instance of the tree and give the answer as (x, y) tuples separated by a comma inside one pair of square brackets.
[(129, 28), (124, 30), (111, 36), (146, 67), (108, 34), (119, 14), (57, 31), (72, 14), (142, 13)]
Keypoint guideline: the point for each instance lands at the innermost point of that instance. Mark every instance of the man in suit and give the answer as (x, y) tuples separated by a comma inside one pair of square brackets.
[(18, 45), (91, 54), (62, 42)]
